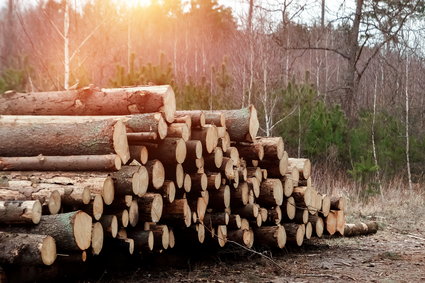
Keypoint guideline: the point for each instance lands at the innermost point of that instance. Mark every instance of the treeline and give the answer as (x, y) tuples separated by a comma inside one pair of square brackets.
[(336, 94)]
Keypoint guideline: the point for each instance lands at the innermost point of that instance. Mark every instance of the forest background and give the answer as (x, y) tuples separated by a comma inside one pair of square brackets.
[(343, 86)]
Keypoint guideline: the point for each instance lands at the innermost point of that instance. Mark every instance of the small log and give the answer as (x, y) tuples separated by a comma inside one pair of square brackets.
[(169, 151), (254, 172), (273, 147), (318, 225), (216, 218), (20, 212), (110, 224), (62, 138), (168, 191), (131, 180), (214, 159), (150, 207), (179, 130), (227, 168), (124, 217), (243, 237), (72, 231), (234, 221), (194, 149), (214, 180), (109, 162), (251, 151), (360, 228), (232, 153), (187, 183), (215, 118), (302, 164), (326, 205), (302, 196), (249, 211), (197, 117), (143, 240), (208, 136), (288, 208), (97, 238), (270, 236), (184, 119), (275, 168), (178, 212), (139, 153), (331, 222), (239, 195), (274, 215), (175, 173), (141, 138), (222, 235), (156, 173), (220, 199), (301, 216), (242, 124), (27, 249), (199, 182), (308, 230), (295, 233), (271, 192), (161, 235), (253, 185)]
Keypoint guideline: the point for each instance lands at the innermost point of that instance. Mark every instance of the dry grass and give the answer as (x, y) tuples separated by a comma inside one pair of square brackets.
[(395, 207)]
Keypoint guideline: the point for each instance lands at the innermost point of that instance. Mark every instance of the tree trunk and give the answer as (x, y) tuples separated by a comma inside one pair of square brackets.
[(72, 231), (27, 249), (20, 212), (91, 101), (79, 138)]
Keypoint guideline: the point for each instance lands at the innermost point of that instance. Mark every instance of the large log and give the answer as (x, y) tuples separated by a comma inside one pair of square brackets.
[(27, 249), (72, 231), (270, 236), (360, 228), (175, 173), (178, 212), (73, 187), (92, 101), (273, 147), (139, 153), (150, 207), (63, 138), (275, 168), (169, 151), (179, 130), (220, 199), (318, 224), (214, 159), (208, 136), (295, 233), (161, 235), (20, 212), (110, 162), (241, 124), (271, 192)]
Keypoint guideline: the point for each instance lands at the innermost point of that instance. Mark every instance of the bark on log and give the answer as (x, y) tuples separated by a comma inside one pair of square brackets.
[(271, 192), (194, 149), (72, 231), (168, 191), (27, 249), (139, 153), (199, 182), (232, 153), (251, 151), (110, 224), (273, 147), (271, 236), (216, 218), (161, 235), (302, 164), (179, 130), (208, 136), (243, 237), (318, 225), (249, 211), (295, 233), (169, 151), (110, 162), (156, 173), (183, 119), (141, 137), (214, 118), (62, 138), (275, 168), (20, 212), (360, 228), (234, 221), (131, 180), (301, 216), (213, 159), (241, 124), (220, 199), (73, 187), (274, 216), (150, 207), (143, 240), (239, 195), (288, 208), (337, 203), (302, 196), (197, 117), (92, 101), (177, 212), (214, 180)]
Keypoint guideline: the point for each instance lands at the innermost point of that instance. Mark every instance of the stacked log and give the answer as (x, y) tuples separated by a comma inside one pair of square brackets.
[(135, 175)]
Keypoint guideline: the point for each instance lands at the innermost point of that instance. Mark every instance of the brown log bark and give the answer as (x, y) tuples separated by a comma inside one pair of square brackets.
[(72, 231), (249, 211), (214, 159), (143, 240), (208, 137), (92, 101), (131, 180), (62, 138), (301, 216), (194, 149), (139, 153), (273, 147), (337, 203), (302, 164), (179, 130), (141, 137), (27, 249), (254, 172), (318, 225), (251, 151), (110, 162), (150, 207), (241, 124), (177, 212), (234, 221), (239, 196), (216, 218), (270, 236), (184, 119), (169, 151), (302, 196), (199, 182), (360, 228), (175, 173), (168, 191), (73, 187), (271, 192), (232, 153), (197, 117), (20, 212), (214, 118), (243, 237), (288, 208), (274, 216), (214, 180), (295, 233), (161, 235), (110, 224), (220, 199)]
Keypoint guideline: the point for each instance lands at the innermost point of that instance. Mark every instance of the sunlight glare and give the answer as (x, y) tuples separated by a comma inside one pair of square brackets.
[(135, 3)]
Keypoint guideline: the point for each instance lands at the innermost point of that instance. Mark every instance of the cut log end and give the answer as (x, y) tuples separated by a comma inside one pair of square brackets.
[(254, 124), (82, 230), (48, 251), (157, 206), (120, 142), (108, 191), (181, 151), (97, 207), (54, 202), (169, 107), (97, 238), (187, 183)]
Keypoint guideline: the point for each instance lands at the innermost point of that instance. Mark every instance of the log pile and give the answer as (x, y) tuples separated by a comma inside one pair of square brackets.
[(95, 169)]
